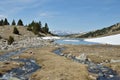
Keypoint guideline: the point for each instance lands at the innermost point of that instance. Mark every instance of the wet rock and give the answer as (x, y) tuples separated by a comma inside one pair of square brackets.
[(81, 57), (92, 77)]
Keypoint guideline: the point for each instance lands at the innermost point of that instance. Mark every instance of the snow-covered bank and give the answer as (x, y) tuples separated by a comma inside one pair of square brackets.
[(113, 40), (50, 37)]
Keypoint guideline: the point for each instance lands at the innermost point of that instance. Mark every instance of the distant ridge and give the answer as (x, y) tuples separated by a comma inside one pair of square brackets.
[(114, 29), (62, 33)]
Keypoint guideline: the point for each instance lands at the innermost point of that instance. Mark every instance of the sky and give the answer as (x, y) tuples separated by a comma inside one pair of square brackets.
[(63, 15)]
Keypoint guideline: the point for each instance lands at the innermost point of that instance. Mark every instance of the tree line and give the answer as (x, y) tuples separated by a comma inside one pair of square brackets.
[(35, 27), (5, 22)]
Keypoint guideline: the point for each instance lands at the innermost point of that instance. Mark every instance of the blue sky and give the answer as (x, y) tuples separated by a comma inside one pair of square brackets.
[(65, 15)]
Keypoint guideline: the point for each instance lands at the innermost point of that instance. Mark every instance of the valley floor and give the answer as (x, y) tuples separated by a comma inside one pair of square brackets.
[(55, 67)]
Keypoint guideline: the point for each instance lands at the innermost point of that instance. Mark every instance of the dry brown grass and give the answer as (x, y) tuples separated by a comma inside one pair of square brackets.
[(6, 31), (95, 52), (7, 66), (114, 66), (55, 67)]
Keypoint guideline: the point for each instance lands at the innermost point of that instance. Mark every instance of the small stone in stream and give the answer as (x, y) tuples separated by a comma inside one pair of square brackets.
[(111, 76), (13, 78), (81, 57)]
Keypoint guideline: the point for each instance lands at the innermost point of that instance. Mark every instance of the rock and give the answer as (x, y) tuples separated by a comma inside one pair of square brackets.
[(81, 57), (111, 76), (114, 61), (14, 78), (92, 77)]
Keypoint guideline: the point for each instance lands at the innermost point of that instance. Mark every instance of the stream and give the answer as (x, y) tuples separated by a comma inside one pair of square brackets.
[(103, 72), (20, 73)]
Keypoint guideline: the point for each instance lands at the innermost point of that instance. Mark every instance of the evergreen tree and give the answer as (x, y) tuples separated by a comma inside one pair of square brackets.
[(10, 40), (5, 22), (13, 22), (15, 31), (45, 29), (1, 22), (40, 26), (36, 28), (20, 23)]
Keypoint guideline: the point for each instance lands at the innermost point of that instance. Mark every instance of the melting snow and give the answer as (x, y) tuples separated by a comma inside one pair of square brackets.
[(113, 40)]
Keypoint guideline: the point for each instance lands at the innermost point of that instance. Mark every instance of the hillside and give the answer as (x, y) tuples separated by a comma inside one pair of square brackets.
[(6, 31), (114, 29)]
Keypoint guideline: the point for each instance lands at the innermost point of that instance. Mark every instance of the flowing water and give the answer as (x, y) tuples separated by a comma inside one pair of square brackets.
[(20, 73), (103, 72)]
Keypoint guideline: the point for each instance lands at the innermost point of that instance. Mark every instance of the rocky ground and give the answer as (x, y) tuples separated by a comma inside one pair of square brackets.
[(26, 43), (25, 39)]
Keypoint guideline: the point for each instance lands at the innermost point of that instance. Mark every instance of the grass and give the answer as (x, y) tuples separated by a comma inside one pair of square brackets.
[(7, 66), (55, 67)]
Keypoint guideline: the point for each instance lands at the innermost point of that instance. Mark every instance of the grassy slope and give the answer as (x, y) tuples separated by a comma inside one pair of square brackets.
[(114, 29), (6, 31)]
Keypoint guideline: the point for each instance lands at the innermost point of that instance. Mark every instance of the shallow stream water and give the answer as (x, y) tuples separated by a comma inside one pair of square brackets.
[(103, 72), (20, 73)]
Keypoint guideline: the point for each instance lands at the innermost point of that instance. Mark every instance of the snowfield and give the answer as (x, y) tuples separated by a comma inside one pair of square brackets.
[(113, 40)]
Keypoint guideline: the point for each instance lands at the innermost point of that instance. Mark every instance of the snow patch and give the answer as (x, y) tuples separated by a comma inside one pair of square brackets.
[(113, 40), (50, 37)]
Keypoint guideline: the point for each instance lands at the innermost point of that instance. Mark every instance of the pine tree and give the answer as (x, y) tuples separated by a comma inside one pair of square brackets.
[(20, 23), (13, 22), (5, 22), (10, 40), (1, 22), (40, 24), (45, 29), (36, 28), (15, 31)]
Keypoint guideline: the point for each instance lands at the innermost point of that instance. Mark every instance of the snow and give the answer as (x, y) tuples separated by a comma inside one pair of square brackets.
[(113, 40), (50, 37)]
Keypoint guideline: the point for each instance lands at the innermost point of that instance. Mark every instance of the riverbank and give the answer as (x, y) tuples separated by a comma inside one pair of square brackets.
[(6, 66), (55, 67), (100, 54)]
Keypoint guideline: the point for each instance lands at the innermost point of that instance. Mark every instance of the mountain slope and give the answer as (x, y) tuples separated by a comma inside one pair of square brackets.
[(114, 29), (6, 31)]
